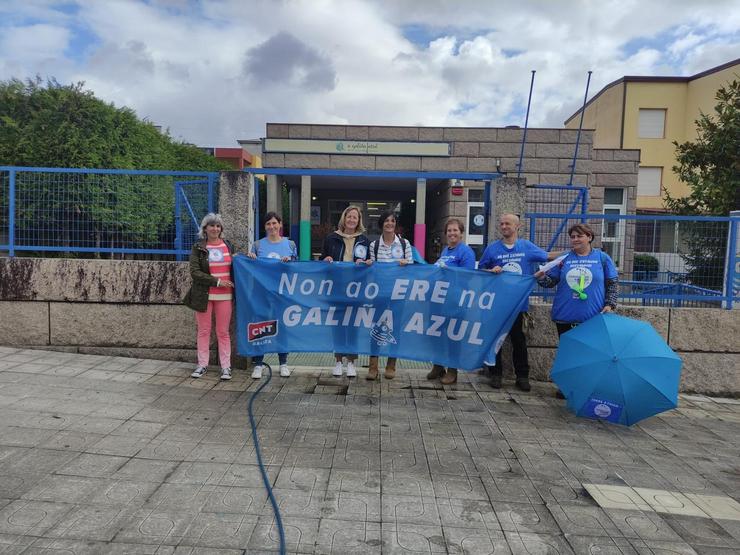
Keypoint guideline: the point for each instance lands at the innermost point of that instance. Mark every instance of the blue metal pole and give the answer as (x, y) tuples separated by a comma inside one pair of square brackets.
[(11, 215), (532, 228), (584, 203), (732, 261), (486, 210), (526, 124), (210, 192), (580, 127), (178, 222)]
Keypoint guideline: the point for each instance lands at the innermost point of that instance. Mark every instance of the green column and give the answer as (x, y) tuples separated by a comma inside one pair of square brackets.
[(305, 253)]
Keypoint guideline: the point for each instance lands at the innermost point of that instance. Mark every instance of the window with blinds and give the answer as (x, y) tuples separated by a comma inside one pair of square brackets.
[(651, 124), (649, 181)]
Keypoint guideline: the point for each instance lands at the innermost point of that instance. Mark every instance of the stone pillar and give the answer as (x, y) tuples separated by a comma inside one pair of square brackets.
[(273, 194), (508, 194), (236, 206), (420, 228), (305, 223)]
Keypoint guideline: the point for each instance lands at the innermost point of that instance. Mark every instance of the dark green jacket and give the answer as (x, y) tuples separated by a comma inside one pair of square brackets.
[(197, 297)]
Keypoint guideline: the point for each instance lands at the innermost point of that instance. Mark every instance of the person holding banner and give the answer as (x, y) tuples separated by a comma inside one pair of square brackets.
[(274, 247), (212, 292), (394, 249), (347, 244), (517, 256), (587, 282), (455, 255)]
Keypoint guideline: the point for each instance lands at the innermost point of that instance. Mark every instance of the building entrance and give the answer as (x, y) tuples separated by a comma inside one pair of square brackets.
[(317, 197)]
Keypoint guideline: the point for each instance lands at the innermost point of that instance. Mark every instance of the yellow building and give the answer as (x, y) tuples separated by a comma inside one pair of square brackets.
[(649, 113)]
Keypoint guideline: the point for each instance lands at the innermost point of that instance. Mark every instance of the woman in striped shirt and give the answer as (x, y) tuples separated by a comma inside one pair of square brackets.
[(394, 249), (212, 292)]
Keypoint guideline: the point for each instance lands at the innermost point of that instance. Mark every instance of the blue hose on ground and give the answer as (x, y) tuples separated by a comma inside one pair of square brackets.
[(263, 471)]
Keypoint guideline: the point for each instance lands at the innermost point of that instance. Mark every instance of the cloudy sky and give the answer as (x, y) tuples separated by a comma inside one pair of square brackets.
[(216, 71)]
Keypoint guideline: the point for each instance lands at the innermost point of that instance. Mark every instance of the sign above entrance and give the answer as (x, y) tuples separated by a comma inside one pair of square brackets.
[(386, 148)]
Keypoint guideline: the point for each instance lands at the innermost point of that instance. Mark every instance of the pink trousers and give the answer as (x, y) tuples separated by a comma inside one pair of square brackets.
[(222, 311)]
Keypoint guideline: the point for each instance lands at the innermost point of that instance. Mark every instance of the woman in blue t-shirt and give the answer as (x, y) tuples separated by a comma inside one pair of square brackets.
[(275, 247), (455, 255), (586, 279)]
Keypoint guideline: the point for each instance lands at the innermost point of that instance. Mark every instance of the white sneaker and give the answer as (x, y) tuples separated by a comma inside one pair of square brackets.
[(284, 371), (257, 372), (337, 372), (351, 370), (198, 372), (225, 373)]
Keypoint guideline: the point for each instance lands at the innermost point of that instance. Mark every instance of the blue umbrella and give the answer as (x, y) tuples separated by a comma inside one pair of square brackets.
[(616, 369)]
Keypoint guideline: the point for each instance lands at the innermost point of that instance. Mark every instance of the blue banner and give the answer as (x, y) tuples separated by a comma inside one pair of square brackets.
[(453, 317)]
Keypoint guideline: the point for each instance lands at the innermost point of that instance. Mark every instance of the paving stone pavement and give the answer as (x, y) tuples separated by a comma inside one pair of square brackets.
[(104, 454)]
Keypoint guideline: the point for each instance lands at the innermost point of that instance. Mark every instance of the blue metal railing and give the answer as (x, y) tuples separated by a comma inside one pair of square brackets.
[(663, 260), (87, 211)]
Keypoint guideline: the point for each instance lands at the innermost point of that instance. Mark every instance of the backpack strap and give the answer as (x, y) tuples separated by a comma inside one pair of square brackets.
[(376, 246), (405, 247), (293, 248)]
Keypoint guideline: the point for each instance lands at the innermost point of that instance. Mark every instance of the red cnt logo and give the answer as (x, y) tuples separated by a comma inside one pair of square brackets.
[(260, 330)]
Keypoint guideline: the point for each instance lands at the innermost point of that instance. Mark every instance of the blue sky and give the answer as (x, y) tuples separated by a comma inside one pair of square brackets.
[(214, 72)]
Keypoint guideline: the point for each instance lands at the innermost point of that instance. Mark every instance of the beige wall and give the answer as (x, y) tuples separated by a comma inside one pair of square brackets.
[(700, 96), (604, 116), (683, 102), (657, 152)]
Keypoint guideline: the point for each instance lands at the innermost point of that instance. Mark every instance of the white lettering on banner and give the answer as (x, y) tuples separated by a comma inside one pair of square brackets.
[(287, 284), (419, 290), (307, 286), (313, 316), (387, 317), (460, 331), (453, 328), (330, 321), (399, 289), (347, 316), (439, 292), (326, 284), (371, 287), (365, 316), (353, 289), (474, 338), (416, 325), (469, 294), (437, 322), (485, 300), (292, 315)]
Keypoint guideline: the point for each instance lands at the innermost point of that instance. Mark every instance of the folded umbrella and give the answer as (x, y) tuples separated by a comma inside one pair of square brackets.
[(617, 369)]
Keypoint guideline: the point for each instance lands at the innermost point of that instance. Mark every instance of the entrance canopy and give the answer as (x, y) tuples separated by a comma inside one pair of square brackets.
[(317, 197)]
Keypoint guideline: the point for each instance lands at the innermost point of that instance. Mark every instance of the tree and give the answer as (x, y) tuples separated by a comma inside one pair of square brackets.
[(66, 126), (710, 166), (51, 125)]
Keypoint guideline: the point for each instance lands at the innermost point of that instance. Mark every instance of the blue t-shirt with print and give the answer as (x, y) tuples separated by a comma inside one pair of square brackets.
[(264, 248), (461, 256), (520, 259), (595, 267)]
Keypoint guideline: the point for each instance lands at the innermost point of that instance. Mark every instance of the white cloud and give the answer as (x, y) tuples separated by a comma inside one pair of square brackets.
[(215, 72)]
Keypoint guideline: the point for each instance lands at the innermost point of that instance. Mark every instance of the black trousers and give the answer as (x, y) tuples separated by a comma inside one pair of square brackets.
[(519, 350)]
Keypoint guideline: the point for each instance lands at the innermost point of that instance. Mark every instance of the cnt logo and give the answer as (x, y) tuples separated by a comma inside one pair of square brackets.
[(260, 330)]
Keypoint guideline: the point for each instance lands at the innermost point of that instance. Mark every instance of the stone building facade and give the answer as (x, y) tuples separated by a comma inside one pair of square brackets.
[(609, 174)]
